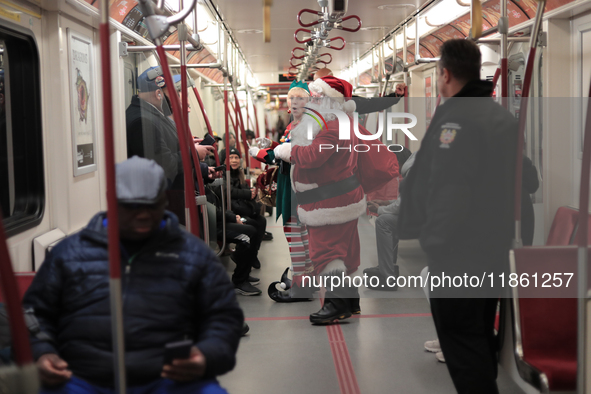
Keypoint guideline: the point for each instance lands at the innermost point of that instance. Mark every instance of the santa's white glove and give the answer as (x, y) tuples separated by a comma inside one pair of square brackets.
[(253, 151), (283, 152)]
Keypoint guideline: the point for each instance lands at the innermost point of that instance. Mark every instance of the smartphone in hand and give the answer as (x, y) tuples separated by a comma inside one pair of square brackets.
[(207, 140), (174, 350)]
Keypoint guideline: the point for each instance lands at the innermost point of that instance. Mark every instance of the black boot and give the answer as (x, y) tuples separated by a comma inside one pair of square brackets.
[(337, 305), (284, 295), (354, 302), (285, 279)]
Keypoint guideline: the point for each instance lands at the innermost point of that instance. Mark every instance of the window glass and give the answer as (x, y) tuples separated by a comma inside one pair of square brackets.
[(21, 146)]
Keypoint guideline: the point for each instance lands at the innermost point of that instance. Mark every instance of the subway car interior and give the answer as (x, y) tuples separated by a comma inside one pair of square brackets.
[(72, 73)]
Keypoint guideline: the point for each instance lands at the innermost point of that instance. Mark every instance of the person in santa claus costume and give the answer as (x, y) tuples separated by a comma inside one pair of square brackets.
[(327, 180)]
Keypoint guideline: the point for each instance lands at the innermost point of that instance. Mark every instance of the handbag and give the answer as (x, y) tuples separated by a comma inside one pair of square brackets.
[(267, 186)]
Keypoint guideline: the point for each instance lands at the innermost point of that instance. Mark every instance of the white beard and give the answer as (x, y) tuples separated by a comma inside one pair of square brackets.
[(299, 134)]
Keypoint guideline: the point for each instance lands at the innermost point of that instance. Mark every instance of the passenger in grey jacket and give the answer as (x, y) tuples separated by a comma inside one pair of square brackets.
[(387, 232)]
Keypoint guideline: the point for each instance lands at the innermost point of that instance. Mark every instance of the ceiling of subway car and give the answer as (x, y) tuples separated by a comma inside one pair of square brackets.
[(245, 17)]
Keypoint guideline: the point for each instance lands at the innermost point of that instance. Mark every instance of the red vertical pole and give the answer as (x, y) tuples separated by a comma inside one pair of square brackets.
[(242, 131), (406, 139), (112, 214), (194, 155), (256, 120), (16, 321), (209, 130), (190, 207), (227, 140)]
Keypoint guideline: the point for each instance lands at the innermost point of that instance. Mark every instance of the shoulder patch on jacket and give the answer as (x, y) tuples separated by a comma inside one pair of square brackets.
[(448, 134)]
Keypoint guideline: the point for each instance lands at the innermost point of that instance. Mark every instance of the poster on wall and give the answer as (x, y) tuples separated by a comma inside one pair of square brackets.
[(82, 106)]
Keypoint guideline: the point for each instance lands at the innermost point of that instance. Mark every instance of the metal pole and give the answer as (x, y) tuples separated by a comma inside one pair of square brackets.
[(582, 255), (417, 43), (504, 30), (517, 243), (227, 141), (404, 47), (112, 215), (192, 219)]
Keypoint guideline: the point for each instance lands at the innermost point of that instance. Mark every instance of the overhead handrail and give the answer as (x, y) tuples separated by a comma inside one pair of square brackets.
[(309, 11), (330, 40), (352, 30), (299, 49), (182, 14), (325, 54), (304, 41), (112, 214), (294, 65)]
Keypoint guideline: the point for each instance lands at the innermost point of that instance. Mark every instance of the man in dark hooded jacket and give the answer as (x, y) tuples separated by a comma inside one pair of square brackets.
[(457, 200), (173, 288)]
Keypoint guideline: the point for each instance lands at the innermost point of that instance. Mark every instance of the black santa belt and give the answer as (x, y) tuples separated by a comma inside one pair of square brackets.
[(328, 191)]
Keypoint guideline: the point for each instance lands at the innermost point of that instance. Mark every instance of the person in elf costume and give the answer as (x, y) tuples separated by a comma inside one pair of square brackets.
[(296, 233), (330, 179)]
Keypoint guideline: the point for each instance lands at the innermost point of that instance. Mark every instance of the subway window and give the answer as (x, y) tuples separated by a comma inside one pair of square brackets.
[(22, 192)]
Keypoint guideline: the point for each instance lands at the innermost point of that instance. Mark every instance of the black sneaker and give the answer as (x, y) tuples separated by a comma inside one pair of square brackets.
[(246, 289), (245, 329), (253, 281), (268, 236), (372, 271), (256, 264)]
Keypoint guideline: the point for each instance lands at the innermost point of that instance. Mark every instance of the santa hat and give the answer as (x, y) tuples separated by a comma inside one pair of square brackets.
[(335, 88)]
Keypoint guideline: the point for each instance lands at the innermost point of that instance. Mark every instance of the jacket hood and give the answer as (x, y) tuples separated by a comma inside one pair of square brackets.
[(96, 229)]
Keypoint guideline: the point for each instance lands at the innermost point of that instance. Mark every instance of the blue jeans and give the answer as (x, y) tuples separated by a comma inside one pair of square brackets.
[(160, 386)]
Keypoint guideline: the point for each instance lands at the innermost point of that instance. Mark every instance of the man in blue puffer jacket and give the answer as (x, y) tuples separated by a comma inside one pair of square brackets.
[(173, 289)]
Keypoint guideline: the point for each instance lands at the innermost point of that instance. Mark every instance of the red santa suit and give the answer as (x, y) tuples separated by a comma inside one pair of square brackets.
[(328, 162)]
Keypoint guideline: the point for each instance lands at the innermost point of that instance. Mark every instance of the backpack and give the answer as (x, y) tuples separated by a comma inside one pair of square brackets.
[(267, 186)]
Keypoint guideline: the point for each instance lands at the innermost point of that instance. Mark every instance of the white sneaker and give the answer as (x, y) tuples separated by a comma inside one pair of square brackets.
[(433, 346), (439, 357)]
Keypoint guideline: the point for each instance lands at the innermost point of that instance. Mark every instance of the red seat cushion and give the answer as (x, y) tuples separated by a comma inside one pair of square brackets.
[(560, 371), (563, 226), (23, 281), (549, 324)]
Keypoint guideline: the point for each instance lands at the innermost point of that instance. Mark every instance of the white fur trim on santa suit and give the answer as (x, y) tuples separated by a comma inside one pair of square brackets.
[(329, 216), (299, 134), (319, 86), (283, 152), (303, 187)]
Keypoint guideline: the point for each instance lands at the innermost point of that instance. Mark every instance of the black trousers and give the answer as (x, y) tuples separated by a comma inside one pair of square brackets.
[(260, 224), (244, 236), (465, 328)]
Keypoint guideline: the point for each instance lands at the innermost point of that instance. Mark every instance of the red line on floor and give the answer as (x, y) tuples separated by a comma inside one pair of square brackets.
[(342, 361), (353, 317)]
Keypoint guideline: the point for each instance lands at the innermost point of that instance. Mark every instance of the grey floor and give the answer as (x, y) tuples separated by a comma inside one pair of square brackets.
[(284, 353)]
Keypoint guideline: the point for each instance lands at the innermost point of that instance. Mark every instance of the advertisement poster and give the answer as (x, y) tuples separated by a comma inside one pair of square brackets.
[(82, 106)]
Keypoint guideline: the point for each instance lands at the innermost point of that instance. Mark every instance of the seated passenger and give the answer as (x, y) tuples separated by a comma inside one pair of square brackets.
[(244, 198), (173, 289), (387, 232), (241, 234)]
